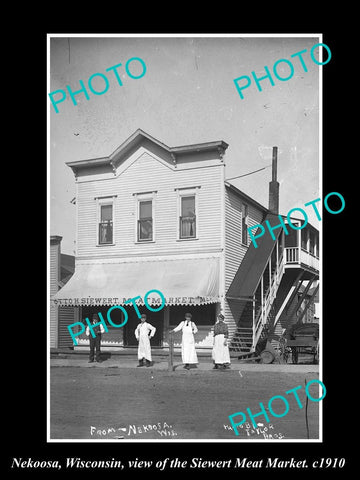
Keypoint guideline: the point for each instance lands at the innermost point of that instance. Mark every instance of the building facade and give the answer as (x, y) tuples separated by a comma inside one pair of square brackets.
[(151, 217), (61, 269)]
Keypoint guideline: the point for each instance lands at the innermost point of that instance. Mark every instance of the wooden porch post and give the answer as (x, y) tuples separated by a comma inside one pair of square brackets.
[(308, 304), (171, 352)]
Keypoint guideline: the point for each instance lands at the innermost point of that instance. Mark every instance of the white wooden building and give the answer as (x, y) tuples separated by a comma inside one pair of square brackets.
[(151, 217), (60, 271)]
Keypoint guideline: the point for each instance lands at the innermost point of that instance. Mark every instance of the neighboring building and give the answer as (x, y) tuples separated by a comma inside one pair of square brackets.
[(151, 217), (61, 270)]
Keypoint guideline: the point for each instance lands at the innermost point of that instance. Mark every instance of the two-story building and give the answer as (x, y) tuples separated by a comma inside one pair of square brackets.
[(151, 217), (61, 269)]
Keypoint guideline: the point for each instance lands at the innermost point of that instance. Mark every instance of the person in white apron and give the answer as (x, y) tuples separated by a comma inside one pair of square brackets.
[(220, 352), (144, 331), (188, 352)]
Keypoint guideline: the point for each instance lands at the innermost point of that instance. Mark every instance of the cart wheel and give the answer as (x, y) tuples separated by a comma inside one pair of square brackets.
[(267, 356)]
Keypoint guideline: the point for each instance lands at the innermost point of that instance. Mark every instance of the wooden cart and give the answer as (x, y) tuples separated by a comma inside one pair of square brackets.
[(300, 339)]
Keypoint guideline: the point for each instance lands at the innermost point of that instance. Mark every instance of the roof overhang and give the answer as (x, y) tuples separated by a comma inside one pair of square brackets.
[(136, 139)]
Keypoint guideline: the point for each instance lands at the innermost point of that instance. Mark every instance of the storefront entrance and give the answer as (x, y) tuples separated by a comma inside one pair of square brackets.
[(114, 336), (204, 317), (156, 319)]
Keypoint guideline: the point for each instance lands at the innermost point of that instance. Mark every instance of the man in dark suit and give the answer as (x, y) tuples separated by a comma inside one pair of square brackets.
[(95, 342)]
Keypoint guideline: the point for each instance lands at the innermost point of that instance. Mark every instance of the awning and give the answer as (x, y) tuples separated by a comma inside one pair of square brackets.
[(182, 282)]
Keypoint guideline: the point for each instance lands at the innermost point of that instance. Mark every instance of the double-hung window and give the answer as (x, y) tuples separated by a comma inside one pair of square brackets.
[(145, 218), (244, 224), (105, 233), (145, 221), (188, 217), (188, 227)]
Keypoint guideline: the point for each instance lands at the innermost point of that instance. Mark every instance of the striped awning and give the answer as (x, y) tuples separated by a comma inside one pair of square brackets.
[(192, 281)]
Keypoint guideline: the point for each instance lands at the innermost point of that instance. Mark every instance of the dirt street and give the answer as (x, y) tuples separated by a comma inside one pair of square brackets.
[(132, 404)]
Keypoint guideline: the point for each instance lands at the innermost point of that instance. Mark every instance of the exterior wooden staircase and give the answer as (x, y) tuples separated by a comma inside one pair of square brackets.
[(258, 314), (267, 285)]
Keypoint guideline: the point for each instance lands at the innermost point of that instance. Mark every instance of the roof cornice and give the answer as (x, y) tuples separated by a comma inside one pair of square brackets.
[(220, 146)]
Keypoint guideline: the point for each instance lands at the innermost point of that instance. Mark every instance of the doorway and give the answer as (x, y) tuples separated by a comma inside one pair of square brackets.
[(156, 319)]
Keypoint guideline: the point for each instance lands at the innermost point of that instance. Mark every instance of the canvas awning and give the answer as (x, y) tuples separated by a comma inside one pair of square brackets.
[(182, 282)]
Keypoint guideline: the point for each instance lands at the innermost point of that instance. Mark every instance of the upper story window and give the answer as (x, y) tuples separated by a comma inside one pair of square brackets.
[(145, 221), (106, 224), (145, 217), (187, 217), (304, 239), (187, 206), (244, 224), (105, 221)]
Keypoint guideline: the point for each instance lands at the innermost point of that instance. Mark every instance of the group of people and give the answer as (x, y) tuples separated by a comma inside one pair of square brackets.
[(220, 351), (145, 331)]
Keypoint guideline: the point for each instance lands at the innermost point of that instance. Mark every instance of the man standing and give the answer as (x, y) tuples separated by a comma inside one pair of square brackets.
[(95, 343), (144, 331), (188, 352), (220, 352)]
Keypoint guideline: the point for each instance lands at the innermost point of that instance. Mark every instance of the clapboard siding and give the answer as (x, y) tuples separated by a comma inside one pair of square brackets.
[(66, 317), (54, 267), (148, 174), (54, 287), (235, 250), (53, 326)]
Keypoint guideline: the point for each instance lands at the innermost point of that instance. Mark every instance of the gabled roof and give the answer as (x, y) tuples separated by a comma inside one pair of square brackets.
[(136, 139)]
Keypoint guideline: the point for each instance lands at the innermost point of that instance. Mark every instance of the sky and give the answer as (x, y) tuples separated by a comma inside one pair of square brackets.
[(187, 96)]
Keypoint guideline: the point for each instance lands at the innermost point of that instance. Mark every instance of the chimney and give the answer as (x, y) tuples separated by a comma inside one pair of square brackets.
[(274, 185)]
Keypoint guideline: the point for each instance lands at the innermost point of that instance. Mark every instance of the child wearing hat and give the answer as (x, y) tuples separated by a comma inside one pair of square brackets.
[(144, 331)]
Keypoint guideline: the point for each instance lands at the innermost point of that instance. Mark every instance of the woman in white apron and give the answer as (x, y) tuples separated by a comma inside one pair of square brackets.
[(220, 352), (188, 352), (144, 331)]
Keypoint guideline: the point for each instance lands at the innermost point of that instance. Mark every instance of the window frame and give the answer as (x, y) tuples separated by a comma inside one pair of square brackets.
[(100, 202), (144, 197), (244, 223), (181, 193)]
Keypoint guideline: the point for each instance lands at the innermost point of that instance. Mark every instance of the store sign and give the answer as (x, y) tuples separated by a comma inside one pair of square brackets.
[(80, 327), (98, 301)]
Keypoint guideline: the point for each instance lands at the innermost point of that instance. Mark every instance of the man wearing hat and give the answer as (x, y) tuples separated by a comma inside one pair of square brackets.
[(144, 331), (220, 352), (188, 352), (95, 343)]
